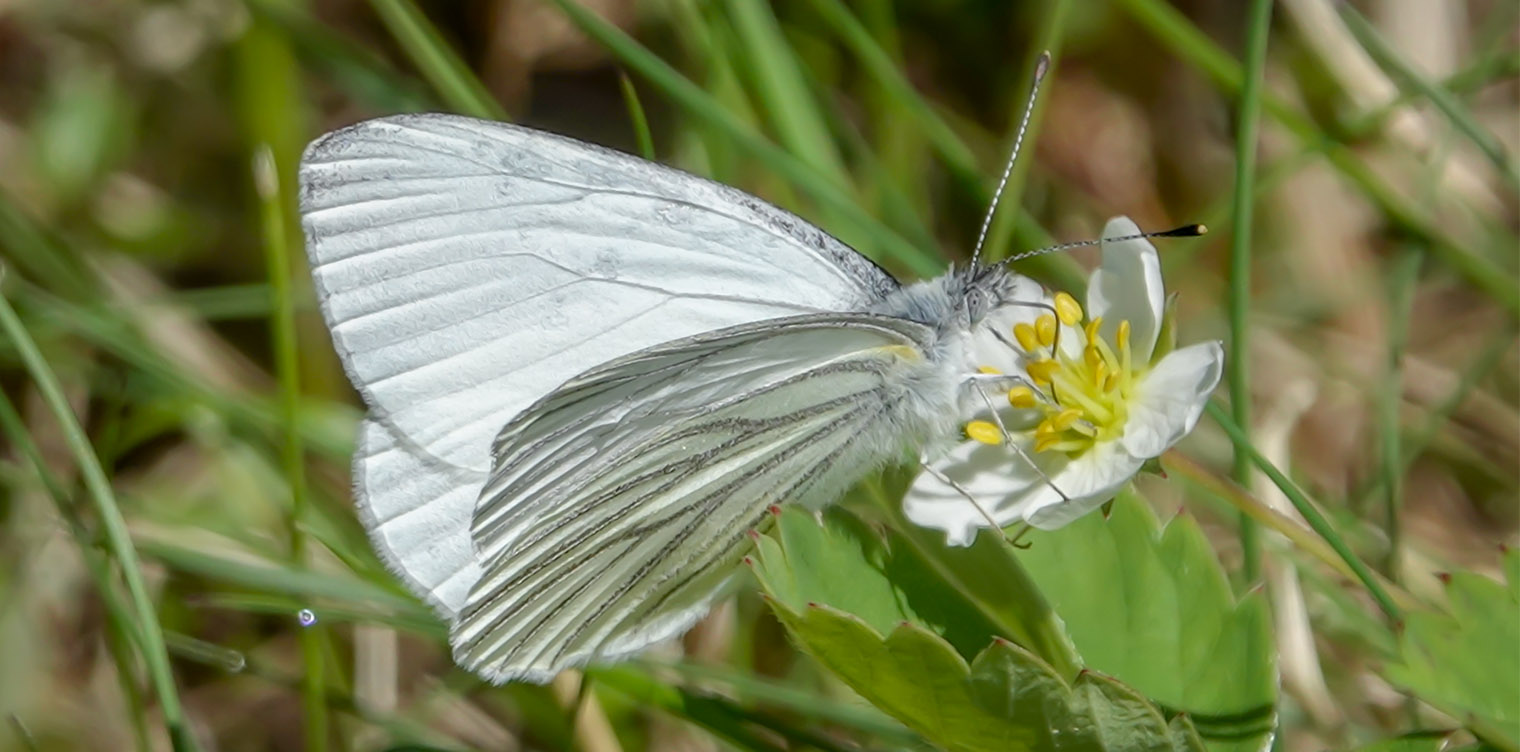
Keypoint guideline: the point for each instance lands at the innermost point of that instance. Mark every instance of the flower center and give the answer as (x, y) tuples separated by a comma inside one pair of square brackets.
[(1081, 393)]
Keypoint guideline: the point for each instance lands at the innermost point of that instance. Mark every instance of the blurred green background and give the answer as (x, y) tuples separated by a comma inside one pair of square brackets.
[(159, 281)]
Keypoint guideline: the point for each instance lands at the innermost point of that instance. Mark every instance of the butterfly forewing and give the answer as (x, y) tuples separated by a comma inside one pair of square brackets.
[(620, 503), (466, 268)]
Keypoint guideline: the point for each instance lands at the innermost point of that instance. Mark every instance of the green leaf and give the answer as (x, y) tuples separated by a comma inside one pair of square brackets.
[(1005, 698), (1466, 660), (887, 578), (1421, 741), (1151, 606)]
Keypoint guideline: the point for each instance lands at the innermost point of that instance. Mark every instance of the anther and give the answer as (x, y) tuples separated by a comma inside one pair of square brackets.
[(981, 430), (1068, 309), (1100, 373), (1026, 336), (1042, 370), (989, 370), (1066, 418), (1045, 327), (1092, 356), (1092, 328), (1022, 397)]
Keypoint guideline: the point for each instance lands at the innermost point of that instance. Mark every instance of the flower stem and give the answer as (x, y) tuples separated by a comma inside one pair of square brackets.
[(1310, 513), (1238, 364)]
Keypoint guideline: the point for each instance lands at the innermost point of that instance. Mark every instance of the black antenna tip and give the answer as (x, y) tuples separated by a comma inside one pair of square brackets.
[(1041, 66), (1185, 231)]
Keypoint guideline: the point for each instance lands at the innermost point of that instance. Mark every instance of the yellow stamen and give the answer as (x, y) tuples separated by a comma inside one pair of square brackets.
[(1092, 328), (1085, 428), (1045, 327), (981, 430), (1107, 353), (1068, 309), (1123, 338), (1092, 357), (1111, 382), (1065, 418), (1026, 336), (1042, 370), (1022, 397), (989, 370), (1056, 444), (1073, 393), (1100, 374)]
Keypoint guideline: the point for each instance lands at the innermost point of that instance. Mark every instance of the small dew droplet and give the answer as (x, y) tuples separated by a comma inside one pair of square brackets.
[(307, 617)]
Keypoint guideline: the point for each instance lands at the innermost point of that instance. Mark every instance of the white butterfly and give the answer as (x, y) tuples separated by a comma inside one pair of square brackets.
[(589, 375)]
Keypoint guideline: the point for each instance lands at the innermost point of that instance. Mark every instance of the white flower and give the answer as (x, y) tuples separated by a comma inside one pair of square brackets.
[(1092, 399)]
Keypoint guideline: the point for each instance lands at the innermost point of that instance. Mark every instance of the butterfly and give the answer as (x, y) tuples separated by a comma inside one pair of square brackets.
[(588, 376)]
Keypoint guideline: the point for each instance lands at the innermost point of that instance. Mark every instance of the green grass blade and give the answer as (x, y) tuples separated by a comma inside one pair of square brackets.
[(641, 132), (436, 60), (1443, 99), (1238, 365), (1173, 29), (782, 92), (1310, 512), (121, 632), (1479, 368), (969, 175), (276, 232), (1405, 274), (1049, 39), (358, 71), (881, 242), (884, 71), (118, 541)]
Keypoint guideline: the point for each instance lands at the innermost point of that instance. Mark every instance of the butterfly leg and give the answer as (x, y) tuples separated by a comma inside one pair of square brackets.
[(929, 468), (1008, 439)]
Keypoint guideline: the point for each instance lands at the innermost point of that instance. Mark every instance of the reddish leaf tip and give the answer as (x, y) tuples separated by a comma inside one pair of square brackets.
[(1444, 577), (774, 509), (753, 534), (749, 562)]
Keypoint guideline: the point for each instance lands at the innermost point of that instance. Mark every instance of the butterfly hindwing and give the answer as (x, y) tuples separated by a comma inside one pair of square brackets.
[(620, 503)]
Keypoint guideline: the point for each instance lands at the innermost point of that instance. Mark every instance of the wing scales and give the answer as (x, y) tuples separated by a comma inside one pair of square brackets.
[(674, 453), (467, 268)]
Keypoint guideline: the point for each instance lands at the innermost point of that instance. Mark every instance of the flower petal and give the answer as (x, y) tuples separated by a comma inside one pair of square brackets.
[(988, 473), (1088, 482), (1171, 397), (1009, 489), (1127, 287)]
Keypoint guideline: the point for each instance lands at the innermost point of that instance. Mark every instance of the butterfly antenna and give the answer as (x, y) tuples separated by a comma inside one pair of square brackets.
[(1041, 67), (1185, 231)]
